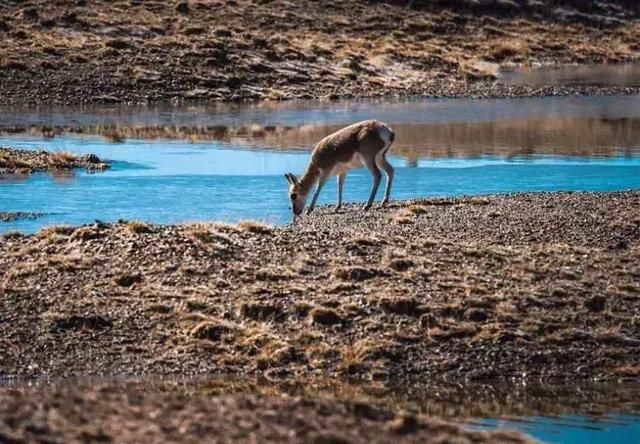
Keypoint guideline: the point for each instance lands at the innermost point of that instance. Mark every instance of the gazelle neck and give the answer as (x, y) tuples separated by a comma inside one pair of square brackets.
[(307, 180)]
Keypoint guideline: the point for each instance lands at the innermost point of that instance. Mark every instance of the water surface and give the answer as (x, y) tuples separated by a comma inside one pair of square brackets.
[(590, 75), (444, 147)]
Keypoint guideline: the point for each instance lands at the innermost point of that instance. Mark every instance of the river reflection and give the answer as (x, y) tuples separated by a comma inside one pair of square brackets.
[(565, 126), (593, 75)]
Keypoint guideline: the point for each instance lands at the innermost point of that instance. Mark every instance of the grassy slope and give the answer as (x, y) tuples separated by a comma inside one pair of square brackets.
[(70, 52)]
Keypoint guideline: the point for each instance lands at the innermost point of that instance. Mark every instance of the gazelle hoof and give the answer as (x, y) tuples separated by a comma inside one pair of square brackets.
[(366, 207), (308, 211)]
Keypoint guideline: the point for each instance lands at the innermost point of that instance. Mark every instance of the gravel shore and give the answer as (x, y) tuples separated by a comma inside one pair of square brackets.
[(489, 287)]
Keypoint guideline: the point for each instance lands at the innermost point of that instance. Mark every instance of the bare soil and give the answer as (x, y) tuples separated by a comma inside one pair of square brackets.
[(131, 51), (519, 286)]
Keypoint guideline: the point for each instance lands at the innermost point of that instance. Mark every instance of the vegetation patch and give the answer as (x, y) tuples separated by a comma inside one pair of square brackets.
[(17, 161), (261, 311), (212, 331)]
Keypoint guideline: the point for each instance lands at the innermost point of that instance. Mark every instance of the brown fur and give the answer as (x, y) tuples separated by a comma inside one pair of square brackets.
[(340, 147), (361, 144)]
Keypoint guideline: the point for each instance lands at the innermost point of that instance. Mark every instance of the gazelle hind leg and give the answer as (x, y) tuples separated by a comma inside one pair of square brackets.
[(377, 175), (340, 180), (388, 169)]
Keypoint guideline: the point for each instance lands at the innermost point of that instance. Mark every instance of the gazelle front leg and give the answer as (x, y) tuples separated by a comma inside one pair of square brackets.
[(321, 181), (375, 172), (388, 169), (340, 179)]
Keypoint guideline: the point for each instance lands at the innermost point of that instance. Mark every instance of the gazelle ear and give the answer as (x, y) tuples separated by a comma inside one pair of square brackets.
[(292, 179)]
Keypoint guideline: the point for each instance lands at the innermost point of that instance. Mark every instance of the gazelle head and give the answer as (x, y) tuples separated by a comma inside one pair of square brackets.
[(297, 195)]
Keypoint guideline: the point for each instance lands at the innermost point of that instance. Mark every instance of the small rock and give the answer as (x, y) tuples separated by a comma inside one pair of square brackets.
[(127, 280), (596, 303), (182, 7), (325, 316), (403, 425), (476, 315)]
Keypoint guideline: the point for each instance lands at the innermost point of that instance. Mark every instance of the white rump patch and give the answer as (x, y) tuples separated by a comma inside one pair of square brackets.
[(385, 134)]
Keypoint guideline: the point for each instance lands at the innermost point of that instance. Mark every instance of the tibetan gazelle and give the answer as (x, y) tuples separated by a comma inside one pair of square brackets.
[(361, 144)]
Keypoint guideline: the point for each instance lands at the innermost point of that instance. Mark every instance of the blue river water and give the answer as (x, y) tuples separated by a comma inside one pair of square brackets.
[(174, 181), (571, 429)]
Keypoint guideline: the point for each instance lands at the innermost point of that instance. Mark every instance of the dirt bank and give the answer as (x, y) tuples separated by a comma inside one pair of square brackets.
[(74, 52), (517, 286), (20, 162)]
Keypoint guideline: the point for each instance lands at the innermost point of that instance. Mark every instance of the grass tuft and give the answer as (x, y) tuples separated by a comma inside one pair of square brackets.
[(252, 226)]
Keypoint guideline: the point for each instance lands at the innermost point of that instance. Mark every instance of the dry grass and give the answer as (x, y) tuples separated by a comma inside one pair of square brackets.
[(70, 262), (416, 208), (53, 230), (6, 162), (62, 159), (214, 331), (23, 270), (501, 50), (253, 226), (138, 227), (369, 298), (208, 233), (365, 354), (395, 51)]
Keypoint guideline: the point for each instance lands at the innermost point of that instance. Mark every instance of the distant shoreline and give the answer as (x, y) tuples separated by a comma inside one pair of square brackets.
[(252, 51)]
